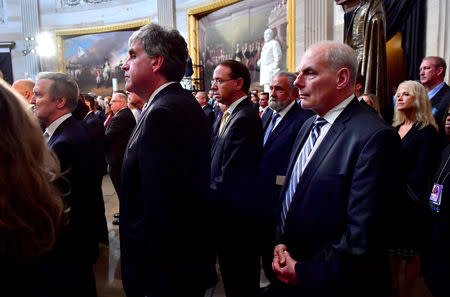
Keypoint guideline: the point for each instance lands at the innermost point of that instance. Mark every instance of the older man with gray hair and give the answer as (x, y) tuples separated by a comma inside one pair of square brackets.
[(281, 123), (341, 180), (166, 241), (55, 96)]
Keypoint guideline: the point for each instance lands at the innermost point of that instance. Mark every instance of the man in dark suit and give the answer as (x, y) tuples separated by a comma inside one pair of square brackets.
[(432, 72), (263, 103), (202, 99), (165, 234), (116, 138), (285, 119), (340, 183), (55, 96), (96, 131), (236, 154)]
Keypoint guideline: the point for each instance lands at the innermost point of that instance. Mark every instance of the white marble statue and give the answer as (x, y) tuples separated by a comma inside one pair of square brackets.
[(270, 60)]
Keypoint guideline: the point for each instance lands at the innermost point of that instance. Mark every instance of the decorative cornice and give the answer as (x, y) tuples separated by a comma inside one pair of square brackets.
[(102, 29)]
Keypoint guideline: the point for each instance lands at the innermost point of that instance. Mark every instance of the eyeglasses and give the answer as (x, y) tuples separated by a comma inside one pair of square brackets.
[(221, 81)]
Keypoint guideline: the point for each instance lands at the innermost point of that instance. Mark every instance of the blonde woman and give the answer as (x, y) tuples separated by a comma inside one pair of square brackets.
[(31, 209), (420, 149)]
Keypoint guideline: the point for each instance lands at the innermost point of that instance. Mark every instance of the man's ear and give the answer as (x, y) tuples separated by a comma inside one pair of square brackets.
[(157, 63), (240, 83), (440, 71), (343, 78), (61, 102)]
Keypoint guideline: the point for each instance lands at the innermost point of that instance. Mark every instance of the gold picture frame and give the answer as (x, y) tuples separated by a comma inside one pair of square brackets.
[(60, 35), (194, 14)]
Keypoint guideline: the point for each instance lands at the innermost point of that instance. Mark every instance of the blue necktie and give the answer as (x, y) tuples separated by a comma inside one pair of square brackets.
[(275, 116), (299, 168)]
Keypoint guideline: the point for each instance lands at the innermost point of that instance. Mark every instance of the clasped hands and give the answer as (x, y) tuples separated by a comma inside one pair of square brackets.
[(283, 265)]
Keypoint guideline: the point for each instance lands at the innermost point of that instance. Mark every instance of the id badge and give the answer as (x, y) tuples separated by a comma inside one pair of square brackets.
[(436, 194)]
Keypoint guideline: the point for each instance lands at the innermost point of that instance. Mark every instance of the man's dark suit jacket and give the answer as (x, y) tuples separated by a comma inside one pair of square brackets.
[(117, 134), (337, 224), (77, 247), (96, 131), (236, 154), (439, 103), (209, 113), (275, 157), (165, 227)]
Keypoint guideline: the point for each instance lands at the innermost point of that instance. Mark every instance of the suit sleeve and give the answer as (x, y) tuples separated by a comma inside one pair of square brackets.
[(419, 179), (241, 159), (372, 188)]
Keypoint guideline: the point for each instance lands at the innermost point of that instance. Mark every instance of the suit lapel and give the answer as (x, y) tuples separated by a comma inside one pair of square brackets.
[(137, 128), (325, 146), (266, 117), (58, 131), (230, 119), (284, 124)]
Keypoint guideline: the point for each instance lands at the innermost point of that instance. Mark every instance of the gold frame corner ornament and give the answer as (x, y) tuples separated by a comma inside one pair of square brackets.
[(194, 14), (60, 35)]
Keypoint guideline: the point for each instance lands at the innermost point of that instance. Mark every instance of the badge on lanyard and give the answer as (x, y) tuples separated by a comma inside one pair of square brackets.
[(436, 196)]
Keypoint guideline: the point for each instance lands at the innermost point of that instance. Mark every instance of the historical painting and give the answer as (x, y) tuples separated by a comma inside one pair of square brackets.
[(95, 59), (239, 32)]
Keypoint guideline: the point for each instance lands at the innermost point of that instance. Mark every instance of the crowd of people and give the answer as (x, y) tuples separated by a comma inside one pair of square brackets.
[(306, 180)]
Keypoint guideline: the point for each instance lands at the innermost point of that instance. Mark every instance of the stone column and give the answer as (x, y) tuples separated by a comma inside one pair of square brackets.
[(166, 13), (438, 31), (30, 28), (314, 22)]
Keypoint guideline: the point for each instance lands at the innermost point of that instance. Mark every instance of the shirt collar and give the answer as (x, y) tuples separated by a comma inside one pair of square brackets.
[(53, 126), (286, 109), (435, 90), (159, 90), (235, 103), (333, 113)]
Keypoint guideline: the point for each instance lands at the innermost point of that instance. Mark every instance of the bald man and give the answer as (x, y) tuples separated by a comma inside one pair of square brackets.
[(202, 99), (25, 88)]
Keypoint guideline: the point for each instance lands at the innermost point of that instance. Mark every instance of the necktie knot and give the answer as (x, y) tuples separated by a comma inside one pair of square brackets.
[(275, 116), (320, 122)]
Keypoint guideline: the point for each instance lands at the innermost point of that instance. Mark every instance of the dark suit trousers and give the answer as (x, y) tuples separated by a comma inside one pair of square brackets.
[(238, 256)]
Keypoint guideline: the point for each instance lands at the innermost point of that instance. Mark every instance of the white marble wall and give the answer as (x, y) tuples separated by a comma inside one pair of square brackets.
[(438, 31), (314, 22), (11, 30)]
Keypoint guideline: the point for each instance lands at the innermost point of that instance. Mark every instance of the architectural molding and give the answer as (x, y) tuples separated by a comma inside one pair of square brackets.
[(166, 13), (438, 32), (314, 22), (30, 28)]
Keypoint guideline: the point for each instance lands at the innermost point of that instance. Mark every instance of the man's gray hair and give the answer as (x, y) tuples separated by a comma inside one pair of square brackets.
[(122, 96), (340, 55), (62, 86), (158, 41), (289, 75)]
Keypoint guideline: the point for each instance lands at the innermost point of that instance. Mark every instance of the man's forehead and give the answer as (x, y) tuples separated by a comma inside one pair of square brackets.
[(221, 71)]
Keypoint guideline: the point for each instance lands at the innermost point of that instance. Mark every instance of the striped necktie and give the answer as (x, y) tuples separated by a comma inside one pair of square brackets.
[(299, 168)]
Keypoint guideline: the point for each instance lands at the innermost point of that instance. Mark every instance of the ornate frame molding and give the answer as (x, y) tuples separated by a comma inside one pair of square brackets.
[(60, 35)]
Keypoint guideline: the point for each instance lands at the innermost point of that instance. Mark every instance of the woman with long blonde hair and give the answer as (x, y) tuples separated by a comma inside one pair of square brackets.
[(31, 208), (420, 149)]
